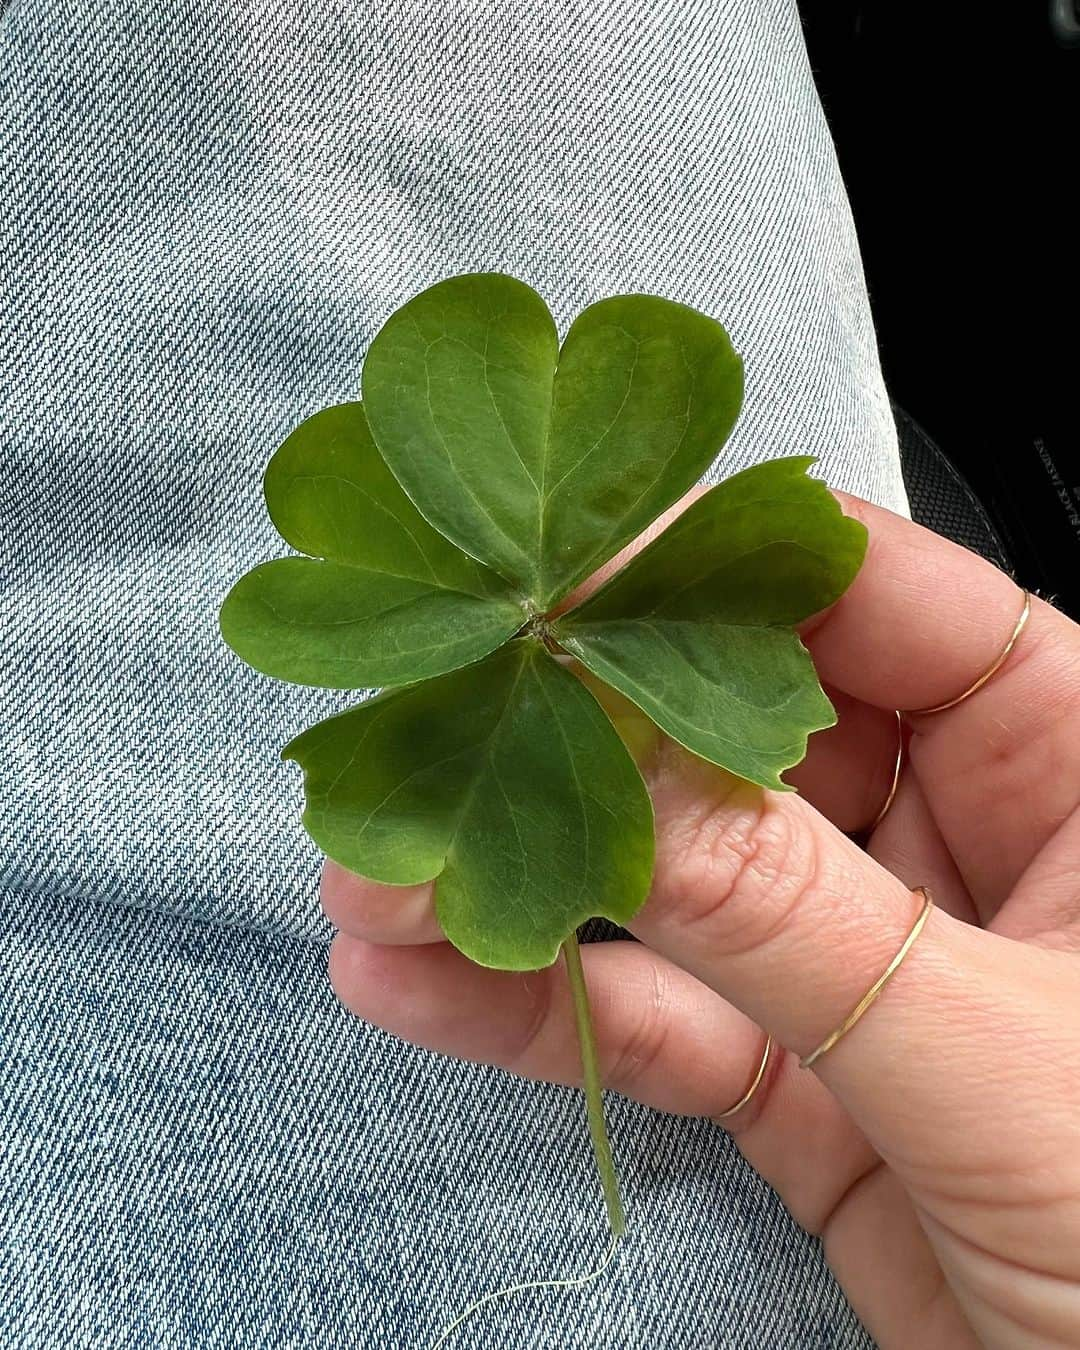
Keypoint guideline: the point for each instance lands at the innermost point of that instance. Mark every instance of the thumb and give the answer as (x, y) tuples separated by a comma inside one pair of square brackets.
[(959, 1073)]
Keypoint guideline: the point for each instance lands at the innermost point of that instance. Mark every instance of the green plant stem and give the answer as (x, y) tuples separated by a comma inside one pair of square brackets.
[(594, 1088)]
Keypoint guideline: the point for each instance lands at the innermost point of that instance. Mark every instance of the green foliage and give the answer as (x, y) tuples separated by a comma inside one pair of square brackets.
[(507, 782), (383, 599), (544, 462), (488, 472), (696, 629)]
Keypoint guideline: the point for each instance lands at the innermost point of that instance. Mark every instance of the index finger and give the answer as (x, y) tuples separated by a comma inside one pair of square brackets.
[(922, 621)]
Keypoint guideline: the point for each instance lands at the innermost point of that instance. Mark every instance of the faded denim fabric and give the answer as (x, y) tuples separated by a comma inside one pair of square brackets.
[(209, 207)]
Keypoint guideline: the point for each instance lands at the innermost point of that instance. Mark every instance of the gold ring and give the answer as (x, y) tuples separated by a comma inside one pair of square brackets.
[(753, 1086), (940, 707), (895, 776), (879, 984)]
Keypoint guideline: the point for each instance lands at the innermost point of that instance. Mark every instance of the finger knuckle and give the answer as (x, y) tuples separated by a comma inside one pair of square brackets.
[(739, 869)]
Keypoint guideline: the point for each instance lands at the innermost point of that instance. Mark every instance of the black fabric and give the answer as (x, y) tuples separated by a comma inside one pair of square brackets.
[(940, 498)]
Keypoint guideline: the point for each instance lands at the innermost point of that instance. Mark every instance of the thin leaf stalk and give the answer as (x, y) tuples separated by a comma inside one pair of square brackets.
[(594, 1088)]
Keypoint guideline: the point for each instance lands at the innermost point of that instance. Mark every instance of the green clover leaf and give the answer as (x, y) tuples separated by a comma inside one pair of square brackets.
[(488, 472), (696, 629), (542, 462), (507, 782), (383, 599)]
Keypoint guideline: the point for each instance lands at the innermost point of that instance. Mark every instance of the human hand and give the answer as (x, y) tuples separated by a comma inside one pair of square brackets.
[(936, 1146)]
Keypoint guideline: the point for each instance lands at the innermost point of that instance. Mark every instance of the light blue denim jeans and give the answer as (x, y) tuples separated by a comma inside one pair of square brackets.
[(209, 206)]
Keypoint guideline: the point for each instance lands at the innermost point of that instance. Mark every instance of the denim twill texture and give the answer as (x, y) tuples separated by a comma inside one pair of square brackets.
[(209, 207)]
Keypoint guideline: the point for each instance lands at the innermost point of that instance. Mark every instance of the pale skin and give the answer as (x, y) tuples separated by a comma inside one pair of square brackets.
[(936, 1148)]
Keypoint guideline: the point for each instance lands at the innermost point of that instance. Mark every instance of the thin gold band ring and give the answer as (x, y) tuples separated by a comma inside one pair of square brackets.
[(987, 674), (744, 1099), (874, 992), (897, 767)]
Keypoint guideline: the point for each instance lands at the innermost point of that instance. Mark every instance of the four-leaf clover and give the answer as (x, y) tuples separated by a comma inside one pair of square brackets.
[(487, 472)]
